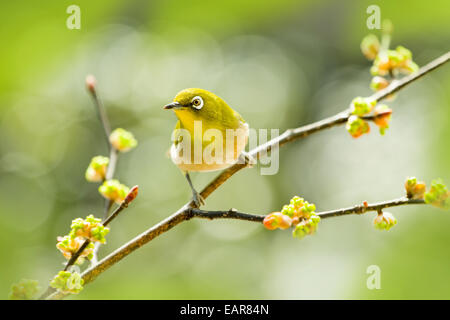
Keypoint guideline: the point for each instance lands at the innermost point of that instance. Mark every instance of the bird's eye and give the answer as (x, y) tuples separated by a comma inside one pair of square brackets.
[(197, 102)]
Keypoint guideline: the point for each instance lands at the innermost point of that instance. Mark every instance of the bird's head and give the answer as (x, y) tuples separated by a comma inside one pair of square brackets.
[(194, 103)]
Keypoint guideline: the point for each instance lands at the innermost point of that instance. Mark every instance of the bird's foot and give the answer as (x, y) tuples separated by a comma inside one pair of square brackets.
[(246, 158), (197, 199)]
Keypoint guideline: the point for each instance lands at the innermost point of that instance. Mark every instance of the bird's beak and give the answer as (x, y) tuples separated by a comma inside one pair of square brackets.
[(173, 105)]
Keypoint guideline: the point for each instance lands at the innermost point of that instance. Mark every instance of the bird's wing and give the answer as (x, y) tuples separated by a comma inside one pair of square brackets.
[(178, 137)]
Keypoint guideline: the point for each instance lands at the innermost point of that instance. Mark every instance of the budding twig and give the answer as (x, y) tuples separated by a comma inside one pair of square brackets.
[(132, 194), (357, 209), (187, 211), (91, 85)]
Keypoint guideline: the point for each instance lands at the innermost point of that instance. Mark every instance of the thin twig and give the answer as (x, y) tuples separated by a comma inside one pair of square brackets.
[(91, 84), (185, 213)]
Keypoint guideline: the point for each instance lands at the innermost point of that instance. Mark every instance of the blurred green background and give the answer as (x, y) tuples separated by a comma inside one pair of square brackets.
[(281, 64)]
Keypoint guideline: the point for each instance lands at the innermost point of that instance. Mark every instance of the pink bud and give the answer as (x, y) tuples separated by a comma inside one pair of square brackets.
[(132, 194), (91, 83)]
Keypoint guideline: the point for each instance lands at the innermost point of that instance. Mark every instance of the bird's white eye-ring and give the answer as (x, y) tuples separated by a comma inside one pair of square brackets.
[(197, 102)]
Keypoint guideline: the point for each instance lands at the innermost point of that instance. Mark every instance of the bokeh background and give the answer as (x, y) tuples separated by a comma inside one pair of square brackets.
[(281, 64)]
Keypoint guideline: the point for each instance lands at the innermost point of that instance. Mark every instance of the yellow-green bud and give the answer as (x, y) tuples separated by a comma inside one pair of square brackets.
[(378, 83), (89, 228), (414, 189), (25, 289), (384, 221), (122, 140), (438, 195), (114, 190), (96, 170), (357, 126), (361, 106), (67, 282), (68, 246), (370, 46)]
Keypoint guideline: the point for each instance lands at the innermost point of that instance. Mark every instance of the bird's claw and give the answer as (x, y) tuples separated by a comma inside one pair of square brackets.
[(246, 158), (197, 199)]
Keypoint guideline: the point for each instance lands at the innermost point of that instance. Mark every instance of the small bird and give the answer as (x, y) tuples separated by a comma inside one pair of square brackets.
[(210, 128)]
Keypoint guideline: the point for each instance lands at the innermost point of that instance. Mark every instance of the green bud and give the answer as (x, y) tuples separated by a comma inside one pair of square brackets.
[(394, 57), (299, 232), (361, 106), (25, 289), (370, 45), (114, 190), (384, 221), (438, 195), (122, 140), (67, 282), (96, 170), (357, 126), (297, 201), (405, 53), (98, 233), (315, 219), (91, 228), (378, 83), (306, 227), (69, 245)]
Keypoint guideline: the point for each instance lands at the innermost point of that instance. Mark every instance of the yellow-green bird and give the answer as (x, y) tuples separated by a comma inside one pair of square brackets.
[(204, 138)]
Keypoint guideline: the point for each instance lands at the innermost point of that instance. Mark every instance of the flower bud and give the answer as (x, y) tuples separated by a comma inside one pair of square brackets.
[(131, 195), (414, 189), (67, 282), (361, 106), (297, 202), (114, 190), (357, 126), (24, 290), (69, 246), (404, 53), (384, 221), (91, 83), (96, 170), (438, 195), (272, 220), (394, 61), (306, 227), (295, 221), (370, 45), (409, 67), (89, 228), (378, 83), (395, 58), (382, 117), (122, 140), (289, 210), (277, 220), (381, 65)]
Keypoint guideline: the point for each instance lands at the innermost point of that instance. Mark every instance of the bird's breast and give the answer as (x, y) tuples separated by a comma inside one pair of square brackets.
[(208, 149)]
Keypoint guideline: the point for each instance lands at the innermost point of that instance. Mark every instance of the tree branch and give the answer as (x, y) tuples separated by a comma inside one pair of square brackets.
[(357, 209), (186, 212), (130, 197)]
